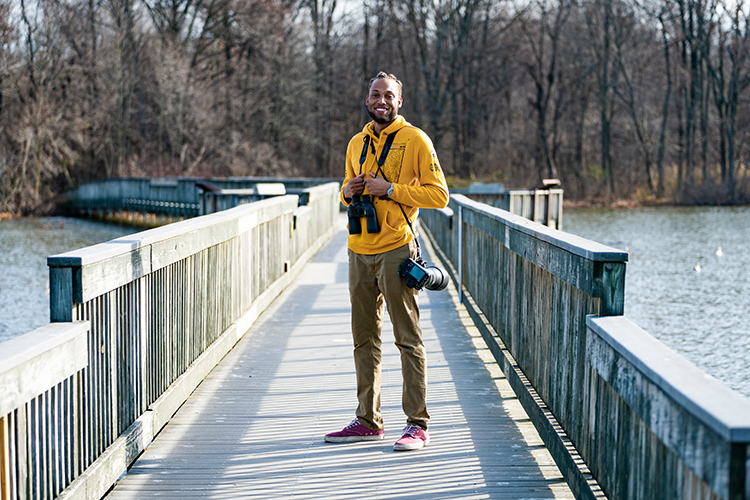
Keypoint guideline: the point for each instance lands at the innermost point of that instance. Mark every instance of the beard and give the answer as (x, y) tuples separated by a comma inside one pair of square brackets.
[(383, 119)]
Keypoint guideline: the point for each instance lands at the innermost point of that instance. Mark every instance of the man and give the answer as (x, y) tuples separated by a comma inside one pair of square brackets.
[(395, 164)]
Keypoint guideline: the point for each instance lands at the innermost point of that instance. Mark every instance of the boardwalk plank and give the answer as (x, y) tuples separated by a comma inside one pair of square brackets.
[(254, 427)]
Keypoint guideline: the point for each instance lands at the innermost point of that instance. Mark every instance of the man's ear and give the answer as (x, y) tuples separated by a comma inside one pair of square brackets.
[(400, 102)]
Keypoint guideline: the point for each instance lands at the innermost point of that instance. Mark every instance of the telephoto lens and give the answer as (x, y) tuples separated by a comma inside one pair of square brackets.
[(418, 275), (437, 278)]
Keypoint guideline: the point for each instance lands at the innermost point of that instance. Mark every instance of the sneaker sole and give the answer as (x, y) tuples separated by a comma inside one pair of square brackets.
[(410, 447), (353, 439)]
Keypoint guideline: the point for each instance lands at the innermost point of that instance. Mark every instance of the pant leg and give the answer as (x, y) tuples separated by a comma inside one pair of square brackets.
[(403, 310), (367, 321)]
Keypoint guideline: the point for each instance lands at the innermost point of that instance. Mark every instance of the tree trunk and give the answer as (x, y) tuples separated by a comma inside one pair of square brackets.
[(664, 113)]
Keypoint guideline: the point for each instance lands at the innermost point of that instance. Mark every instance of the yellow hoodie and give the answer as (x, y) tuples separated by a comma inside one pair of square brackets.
[(418, 182)]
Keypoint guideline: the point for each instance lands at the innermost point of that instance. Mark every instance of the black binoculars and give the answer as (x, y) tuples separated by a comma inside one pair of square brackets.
[(362, 207)]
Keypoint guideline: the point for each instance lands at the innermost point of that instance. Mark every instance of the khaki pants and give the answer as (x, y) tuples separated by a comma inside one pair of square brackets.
[(374, 279)]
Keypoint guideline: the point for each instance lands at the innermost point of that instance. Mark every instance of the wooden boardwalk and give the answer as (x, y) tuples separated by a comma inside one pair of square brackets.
[(254, 428)]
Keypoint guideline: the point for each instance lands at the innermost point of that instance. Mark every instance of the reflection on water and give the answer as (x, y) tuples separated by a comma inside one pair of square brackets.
[(686, 281), (25, 245)]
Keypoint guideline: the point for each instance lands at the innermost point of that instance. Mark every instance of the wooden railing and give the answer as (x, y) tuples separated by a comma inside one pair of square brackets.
[(176, 196), (543, 205), (655, 426), (40, 374), (164, 306), (616, 422), (213, 199)]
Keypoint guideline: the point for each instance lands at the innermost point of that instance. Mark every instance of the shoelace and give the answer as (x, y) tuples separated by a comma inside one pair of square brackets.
[(352, 423), (411, 430)]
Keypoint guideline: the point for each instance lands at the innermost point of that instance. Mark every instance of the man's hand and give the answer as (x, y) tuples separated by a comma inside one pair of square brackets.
[(355, 186), (377, 186)]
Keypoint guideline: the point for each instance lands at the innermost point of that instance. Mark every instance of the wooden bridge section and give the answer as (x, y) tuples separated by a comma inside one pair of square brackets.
[(531, 347)]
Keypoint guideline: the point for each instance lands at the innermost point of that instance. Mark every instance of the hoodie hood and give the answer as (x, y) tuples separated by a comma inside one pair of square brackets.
[(395, 125)]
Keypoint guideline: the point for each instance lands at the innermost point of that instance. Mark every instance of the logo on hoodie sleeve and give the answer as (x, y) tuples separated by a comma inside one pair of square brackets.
[(434, 164)]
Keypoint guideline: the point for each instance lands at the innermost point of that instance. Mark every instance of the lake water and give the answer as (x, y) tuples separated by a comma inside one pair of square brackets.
[(704, 315), (25, 245), (679, 286)]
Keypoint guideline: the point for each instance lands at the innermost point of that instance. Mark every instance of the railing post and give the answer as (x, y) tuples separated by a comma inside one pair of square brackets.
[(610, 281), (61, 301), (739, 486), (4, 460), (460, 253)]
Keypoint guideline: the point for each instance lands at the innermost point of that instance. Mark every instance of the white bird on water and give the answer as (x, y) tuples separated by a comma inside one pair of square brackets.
[(698, 267), (719, 252)]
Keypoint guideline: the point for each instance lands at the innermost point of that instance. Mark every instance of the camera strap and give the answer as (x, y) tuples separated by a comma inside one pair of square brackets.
[(416, 240), (363, 156), (383, 153)]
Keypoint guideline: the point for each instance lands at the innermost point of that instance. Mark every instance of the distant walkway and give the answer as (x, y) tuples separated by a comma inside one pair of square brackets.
[(254, 428)]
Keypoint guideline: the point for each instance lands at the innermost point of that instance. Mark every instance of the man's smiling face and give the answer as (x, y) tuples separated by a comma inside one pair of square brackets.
[(383, 101)]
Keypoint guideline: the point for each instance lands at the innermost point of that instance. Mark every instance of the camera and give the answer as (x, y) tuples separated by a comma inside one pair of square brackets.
[(418, 275), (362, 207)]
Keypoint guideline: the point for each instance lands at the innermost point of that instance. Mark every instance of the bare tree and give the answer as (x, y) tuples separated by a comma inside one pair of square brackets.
[(730, 77), (600, 20), (635, 54), (543, 27)]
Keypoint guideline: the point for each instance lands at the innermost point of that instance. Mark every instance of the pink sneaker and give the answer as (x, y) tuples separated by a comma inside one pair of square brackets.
[(353, 433), (413, 438)]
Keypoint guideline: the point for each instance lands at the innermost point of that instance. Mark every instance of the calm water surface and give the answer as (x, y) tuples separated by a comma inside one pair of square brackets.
[(25, 245), (679, 286)]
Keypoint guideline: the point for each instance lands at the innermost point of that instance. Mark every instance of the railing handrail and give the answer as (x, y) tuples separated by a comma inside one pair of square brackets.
[(597, 270), (180, 196), (320, 191), (126, 245), (171, 181), (40, 359), (576, 245)]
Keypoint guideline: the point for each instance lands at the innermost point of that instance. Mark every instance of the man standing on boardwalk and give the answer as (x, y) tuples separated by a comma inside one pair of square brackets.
[(392, 165)]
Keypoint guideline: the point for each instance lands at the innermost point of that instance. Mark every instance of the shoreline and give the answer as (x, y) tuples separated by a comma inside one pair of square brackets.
[(622, 203), (151, 220), (134, 219)]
